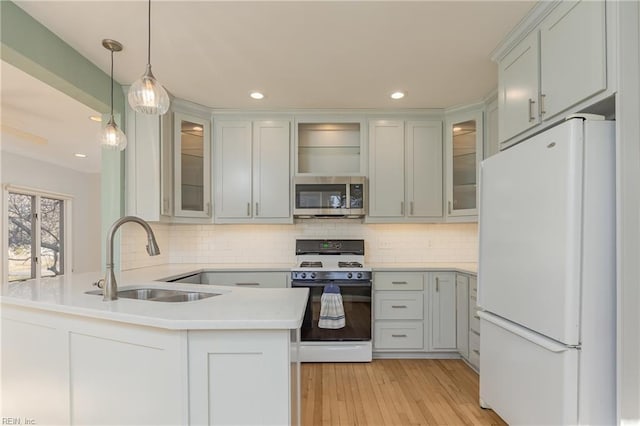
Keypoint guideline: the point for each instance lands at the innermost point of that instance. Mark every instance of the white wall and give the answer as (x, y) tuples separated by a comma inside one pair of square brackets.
[(384, 244), (83, 187)]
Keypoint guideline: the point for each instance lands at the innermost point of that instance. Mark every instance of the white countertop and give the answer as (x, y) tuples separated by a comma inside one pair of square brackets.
[(235, 308), (172, 270), (464, 267)]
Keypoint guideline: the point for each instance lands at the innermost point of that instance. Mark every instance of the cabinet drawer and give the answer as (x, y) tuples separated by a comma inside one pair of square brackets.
[(399, 305), (247, 279), (474, 349), (398, 335), (398, 281)]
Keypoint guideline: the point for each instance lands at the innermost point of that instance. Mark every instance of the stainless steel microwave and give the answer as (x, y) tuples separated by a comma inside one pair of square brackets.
[(323, 196)]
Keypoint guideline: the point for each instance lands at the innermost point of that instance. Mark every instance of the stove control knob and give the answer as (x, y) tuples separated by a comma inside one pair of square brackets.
[(349, 275), (313, 275), (303, 275), (359, 275)]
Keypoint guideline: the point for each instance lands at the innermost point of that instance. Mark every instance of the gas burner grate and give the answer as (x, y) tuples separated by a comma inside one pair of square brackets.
[(309, 264), (349, 265)]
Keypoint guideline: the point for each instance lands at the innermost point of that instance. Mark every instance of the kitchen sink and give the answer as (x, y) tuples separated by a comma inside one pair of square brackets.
[(160, 295)]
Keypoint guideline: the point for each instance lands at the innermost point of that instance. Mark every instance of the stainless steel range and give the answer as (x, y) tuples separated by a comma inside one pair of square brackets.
[(334, 267)]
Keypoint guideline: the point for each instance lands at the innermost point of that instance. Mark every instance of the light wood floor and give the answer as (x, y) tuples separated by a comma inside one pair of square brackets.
[(392, 392)]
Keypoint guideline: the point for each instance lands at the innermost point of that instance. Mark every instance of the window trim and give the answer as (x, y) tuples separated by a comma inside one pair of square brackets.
[(66, 246)]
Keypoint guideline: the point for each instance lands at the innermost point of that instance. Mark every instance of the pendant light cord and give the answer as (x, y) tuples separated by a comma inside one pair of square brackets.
[(111, 83), (149, 36)]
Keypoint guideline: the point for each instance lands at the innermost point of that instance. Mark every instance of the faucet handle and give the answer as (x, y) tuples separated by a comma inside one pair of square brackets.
[(99, 283)]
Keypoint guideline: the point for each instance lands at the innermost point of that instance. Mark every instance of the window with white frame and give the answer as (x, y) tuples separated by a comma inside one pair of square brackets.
[(37, 234)]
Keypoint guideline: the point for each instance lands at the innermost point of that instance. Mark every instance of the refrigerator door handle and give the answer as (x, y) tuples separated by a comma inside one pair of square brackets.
[(525, 333)]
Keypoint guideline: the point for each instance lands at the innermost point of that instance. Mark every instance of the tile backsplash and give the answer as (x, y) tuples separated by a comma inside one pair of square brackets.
[(393, 243)]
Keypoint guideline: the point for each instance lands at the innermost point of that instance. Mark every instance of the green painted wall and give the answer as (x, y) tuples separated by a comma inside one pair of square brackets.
[(31, 47)]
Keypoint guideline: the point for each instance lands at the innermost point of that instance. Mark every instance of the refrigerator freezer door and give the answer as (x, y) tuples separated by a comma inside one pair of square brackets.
[(533, 382), (530, 232)]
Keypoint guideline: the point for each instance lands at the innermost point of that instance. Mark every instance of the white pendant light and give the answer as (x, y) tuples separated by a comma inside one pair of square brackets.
[(146, 95), (111, 137)]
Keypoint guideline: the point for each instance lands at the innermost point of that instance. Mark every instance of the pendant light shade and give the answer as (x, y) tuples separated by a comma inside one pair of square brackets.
[(146, 95), (111, 137)]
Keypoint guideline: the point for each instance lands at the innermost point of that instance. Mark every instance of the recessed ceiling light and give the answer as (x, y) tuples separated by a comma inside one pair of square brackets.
[(397, 95), (457, 129), (77, 154), (197, 128), (256, 95), (97, 118)]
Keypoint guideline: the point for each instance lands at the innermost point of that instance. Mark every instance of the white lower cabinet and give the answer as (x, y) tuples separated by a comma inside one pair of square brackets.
[(474, 324), (398, 311), (462, 314), (247, 279), (442, 289), (69, 369), (399, 335)]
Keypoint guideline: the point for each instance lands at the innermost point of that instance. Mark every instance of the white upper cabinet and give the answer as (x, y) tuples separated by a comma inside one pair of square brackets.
[(148, 179), (565, 64), (192, 166), (405, 171), (573, 55), (253, 180), (424, 168), (232, 148), (518, 86), (386, 169), (464, 131), (271, 170)]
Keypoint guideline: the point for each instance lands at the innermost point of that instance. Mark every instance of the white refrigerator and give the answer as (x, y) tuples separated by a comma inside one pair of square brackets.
[(546, 278)]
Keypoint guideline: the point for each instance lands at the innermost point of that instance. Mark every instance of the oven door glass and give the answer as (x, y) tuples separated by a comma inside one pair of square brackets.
[(356, 300), (321, 196)]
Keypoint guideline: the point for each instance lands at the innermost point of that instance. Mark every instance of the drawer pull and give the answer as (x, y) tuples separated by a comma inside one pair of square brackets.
[(399, 282), (398, 335), (475, 332), (399, 306), (477, 351), (248, 284)]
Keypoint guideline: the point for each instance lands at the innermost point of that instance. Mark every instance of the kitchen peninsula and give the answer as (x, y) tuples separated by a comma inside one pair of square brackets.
[(70, 358)]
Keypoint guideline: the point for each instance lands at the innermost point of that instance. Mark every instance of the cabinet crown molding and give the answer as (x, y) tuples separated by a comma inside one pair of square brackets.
[(523, 28)]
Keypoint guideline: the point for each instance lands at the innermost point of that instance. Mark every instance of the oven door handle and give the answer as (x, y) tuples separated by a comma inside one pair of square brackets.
[(326, 283)]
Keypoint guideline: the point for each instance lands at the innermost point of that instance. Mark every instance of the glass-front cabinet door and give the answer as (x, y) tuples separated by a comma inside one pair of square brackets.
[(192, 167), (464, 152)]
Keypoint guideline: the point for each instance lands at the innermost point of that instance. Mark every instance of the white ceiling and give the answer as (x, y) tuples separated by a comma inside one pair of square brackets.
[(40, 122), (306, 54)]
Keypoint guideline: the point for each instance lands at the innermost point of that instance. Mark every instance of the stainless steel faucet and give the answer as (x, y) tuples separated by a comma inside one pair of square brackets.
[(110, 285)]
